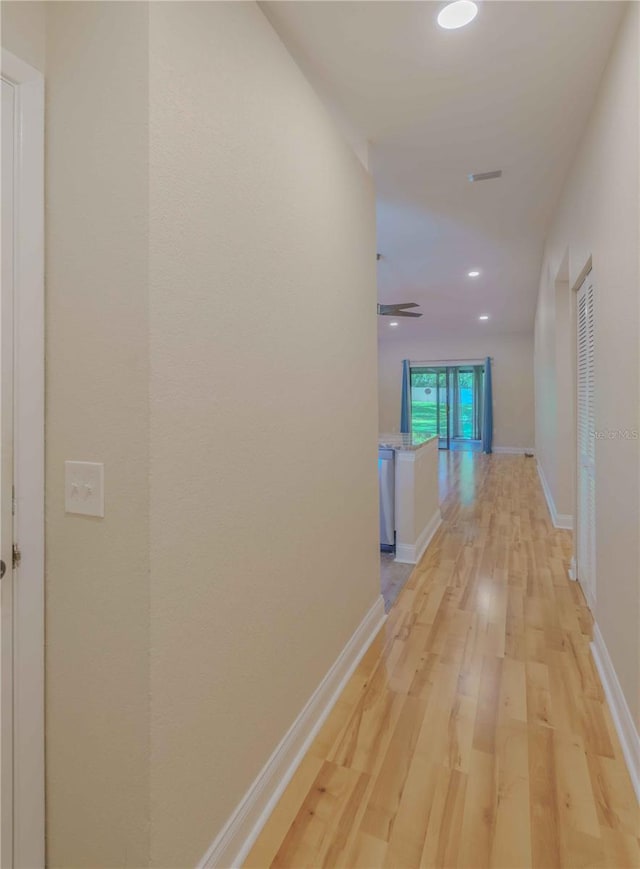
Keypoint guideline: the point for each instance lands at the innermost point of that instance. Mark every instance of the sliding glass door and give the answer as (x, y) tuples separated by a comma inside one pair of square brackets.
[(447, 401), (444, 408), (467, 402), (429, 396)]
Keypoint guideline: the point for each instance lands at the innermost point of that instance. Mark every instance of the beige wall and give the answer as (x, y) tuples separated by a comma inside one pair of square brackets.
[(264, 513), (23, 30), (204, 222), (598, 217), (512, 379), (97, 374)]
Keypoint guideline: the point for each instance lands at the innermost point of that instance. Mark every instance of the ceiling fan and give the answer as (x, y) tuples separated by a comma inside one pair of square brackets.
[(398, 310)]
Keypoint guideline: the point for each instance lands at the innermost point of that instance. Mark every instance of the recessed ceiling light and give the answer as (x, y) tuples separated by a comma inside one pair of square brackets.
[(394, 323), (457, 14), (483, 317), (473, 274)]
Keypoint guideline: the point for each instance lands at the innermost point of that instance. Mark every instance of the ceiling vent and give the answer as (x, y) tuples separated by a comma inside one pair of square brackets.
[(485, 176)]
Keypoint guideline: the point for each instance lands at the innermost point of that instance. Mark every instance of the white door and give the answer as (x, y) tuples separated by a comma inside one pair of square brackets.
[(6, 475), (586, 519), (22, 468)]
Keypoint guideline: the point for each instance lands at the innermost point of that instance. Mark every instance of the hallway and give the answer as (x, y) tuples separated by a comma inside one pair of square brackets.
[(474, 732)]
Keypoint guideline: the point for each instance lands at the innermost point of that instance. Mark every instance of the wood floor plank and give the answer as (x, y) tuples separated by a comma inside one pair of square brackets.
[(409, 832), (383, 803), (621, 850), (614, 796), (479, 818), (544, 814), (265, 849), (442, 842), (512, 838), (576, 801), (323, 821), (367, 852), (474, 732), (513, 691), (484, 737), (538, 693)]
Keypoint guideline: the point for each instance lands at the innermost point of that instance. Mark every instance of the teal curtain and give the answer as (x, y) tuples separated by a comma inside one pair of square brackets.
[(487, 409), (477, 402), (454, 391), (405, 410)]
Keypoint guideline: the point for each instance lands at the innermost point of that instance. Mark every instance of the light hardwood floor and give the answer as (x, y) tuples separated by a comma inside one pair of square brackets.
[(474, 732)]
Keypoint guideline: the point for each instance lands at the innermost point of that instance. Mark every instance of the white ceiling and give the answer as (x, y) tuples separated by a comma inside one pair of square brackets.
[(511, 91)]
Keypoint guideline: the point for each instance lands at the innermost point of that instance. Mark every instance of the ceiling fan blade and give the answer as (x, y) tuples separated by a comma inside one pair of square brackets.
[(398, 310)]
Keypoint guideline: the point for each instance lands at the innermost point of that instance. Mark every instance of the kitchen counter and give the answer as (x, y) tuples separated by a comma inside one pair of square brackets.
[(405, 442), (409, 500)]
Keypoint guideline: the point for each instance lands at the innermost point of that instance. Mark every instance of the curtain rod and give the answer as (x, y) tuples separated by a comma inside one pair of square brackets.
[(431, 363)]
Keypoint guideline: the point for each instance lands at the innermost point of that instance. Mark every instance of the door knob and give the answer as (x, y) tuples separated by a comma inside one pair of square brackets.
[(3, 569)]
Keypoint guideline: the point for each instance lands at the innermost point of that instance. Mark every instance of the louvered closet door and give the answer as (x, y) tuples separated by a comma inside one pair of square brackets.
[(586, 524)]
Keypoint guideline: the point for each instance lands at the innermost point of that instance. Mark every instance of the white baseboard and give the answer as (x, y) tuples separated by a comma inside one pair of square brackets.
[(411, 554), (573, 576), (560, 520), (234, 841), (622, 717), (589, 596), (514, 451)]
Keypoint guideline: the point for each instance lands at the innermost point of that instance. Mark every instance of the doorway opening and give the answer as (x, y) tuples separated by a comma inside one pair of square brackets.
[(446, 400)]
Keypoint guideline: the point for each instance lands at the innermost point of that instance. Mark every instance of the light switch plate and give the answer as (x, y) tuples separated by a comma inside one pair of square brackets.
[(84, 488)]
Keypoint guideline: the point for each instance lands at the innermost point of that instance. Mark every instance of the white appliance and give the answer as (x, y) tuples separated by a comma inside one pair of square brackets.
[(387, 486)]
